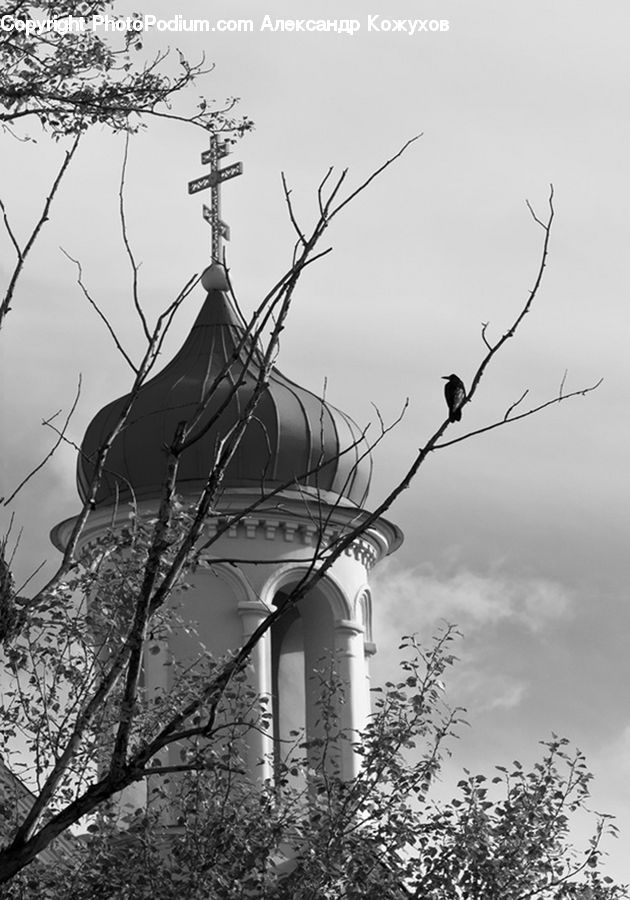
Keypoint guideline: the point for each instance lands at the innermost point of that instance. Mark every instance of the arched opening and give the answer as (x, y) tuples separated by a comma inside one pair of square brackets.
[(288, 679), (302, 643)]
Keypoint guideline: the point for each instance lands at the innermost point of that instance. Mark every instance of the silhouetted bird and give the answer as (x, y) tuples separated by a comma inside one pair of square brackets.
[(455, 394)]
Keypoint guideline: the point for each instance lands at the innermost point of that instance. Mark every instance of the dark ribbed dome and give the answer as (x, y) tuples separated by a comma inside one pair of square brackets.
[(292, 429)]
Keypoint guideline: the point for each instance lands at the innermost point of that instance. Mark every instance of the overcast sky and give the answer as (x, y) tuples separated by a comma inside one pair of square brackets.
[(519, 536)]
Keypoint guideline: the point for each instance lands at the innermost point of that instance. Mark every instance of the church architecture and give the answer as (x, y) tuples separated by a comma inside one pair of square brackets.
[(305, 465)]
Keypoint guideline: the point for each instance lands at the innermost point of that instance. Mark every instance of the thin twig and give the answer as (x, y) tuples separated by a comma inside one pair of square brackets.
[(484, 328), (374, 175), (287, 197), (132, 260), (5, 305), (7, 225), (562, 383), (102, 315), (61, 433), (320, 190), (31, 576), (546, 226), (530, 412), (515, 404)]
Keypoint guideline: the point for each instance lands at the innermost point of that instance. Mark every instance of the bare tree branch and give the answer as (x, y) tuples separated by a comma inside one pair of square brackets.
[(493, 349), (7, 225), (515, 404), (530, 412), (136, 639), (5, 304), (287, 197), (484, 328), (371, 178), (125, 236), (320, 190), (61, 436), (100, 313), (562, 383), (163, 564)]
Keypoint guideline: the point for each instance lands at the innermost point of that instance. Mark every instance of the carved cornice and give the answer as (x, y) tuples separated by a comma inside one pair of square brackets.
[(289, 531), (290, 518)]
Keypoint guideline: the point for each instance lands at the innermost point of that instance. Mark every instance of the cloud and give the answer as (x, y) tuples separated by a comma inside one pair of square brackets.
[(502, 615), (472, 600), (481, 691)]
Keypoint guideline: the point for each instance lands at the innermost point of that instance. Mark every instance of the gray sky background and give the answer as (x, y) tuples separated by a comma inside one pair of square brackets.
[(519, 536)]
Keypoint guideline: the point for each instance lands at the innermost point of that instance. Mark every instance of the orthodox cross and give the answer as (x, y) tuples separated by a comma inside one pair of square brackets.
[(212, 213)]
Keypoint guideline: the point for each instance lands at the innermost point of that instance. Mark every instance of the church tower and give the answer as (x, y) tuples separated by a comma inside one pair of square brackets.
[(304, 470)]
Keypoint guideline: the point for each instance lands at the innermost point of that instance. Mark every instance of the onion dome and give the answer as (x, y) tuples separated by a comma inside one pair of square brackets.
[(291, 433)]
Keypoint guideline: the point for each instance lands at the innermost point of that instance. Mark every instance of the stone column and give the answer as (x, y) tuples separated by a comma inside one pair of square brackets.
[(349, 637), (260, 743)]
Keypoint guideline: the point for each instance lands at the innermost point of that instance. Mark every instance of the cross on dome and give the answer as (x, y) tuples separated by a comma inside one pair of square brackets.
[(212, 214)]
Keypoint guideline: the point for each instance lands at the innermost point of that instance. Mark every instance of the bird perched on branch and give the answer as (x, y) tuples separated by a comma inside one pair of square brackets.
[(455, 394)]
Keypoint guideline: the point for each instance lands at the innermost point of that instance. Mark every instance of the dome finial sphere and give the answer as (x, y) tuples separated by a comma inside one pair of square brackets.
[(214, 278)]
